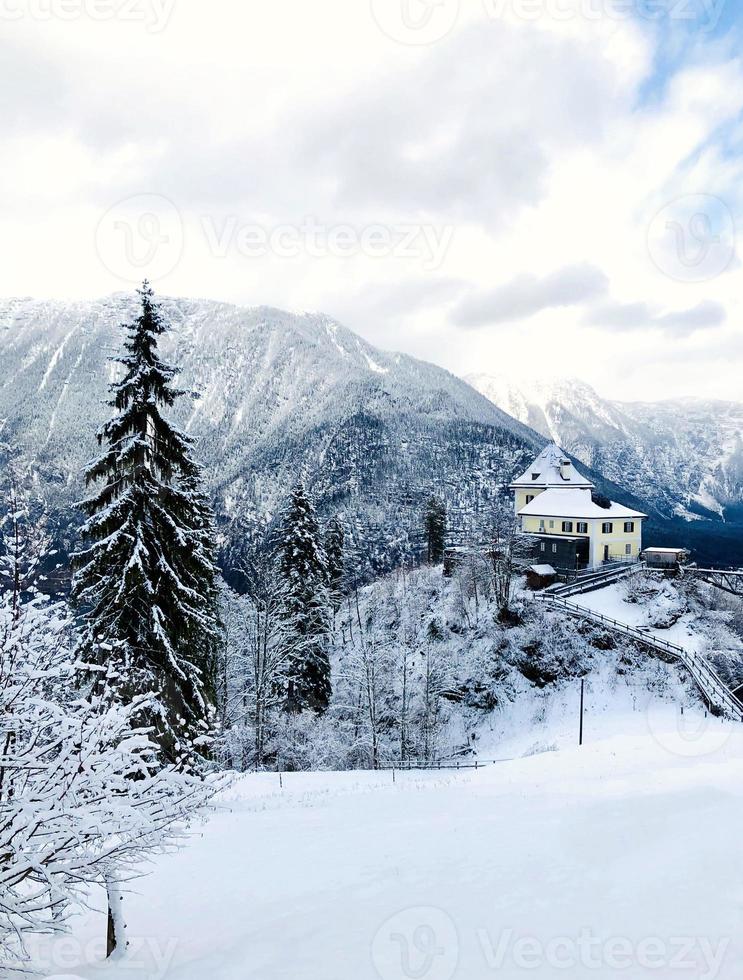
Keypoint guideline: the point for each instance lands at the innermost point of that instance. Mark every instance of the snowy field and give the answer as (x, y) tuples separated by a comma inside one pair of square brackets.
[(620, 858)]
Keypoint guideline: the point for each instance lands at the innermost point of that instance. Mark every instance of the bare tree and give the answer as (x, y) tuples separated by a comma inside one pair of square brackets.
[(509, 550), (366, 670), (261, 641)]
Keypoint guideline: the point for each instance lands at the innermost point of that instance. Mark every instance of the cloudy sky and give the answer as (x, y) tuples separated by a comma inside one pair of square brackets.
[(529, 187)]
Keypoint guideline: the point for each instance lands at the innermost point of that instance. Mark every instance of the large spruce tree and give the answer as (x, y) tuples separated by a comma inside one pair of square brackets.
[(146, 580), (303, 567)]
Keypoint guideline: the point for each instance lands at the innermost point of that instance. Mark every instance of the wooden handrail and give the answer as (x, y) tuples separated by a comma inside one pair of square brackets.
[(704, 674)]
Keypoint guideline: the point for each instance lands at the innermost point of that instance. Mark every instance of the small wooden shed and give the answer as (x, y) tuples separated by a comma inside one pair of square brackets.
[(540, 576)]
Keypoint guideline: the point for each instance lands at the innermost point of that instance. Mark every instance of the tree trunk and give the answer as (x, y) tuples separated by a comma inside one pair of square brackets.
[(115, 942)]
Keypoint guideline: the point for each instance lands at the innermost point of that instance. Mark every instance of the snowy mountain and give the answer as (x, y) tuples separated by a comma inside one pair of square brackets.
[(277, 396), (685, 456)]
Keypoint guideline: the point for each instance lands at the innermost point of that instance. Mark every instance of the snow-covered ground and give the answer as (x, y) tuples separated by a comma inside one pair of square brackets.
[(612, 602), (618, 858)]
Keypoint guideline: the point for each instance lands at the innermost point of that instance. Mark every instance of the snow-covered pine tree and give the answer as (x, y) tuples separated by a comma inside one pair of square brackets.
[(146, 581), (303, 566)]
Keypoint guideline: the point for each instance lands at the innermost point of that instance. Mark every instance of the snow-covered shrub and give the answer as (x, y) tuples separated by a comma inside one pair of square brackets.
[(83, 794)]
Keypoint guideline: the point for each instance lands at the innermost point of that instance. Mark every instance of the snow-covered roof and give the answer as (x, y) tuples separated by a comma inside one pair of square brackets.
[(543, 570), (572, 502), (552, 468)]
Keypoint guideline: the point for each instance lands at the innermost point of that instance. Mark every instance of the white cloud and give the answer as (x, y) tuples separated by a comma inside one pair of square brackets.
[(525, 144), (527, 295), (640, 316)]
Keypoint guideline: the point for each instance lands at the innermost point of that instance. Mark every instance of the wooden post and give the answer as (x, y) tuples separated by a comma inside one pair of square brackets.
[(582, 689)]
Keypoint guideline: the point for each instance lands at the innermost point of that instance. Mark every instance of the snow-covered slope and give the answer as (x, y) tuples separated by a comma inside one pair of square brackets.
[(279, 396), (685, 456), (617, 859)]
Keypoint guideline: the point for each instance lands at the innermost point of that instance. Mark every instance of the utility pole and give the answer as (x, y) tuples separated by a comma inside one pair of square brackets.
[(582, 691)]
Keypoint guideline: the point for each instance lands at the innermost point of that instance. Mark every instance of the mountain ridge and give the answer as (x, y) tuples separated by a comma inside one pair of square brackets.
[(274, 397)]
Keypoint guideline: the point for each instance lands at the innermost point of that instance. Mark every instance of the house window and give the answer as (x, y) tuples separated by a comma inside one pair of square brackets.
[(543, 546), (629, 526), (529, 497), (628, 549), (582, 527), (567, 525), (535, 476), (554, 549), (607, 528), (552, 523)]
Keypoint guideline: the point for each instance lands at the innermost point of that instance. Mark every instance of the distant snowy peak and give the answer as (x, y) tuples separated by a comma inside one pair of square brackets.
[(544, 404), (684, 455)]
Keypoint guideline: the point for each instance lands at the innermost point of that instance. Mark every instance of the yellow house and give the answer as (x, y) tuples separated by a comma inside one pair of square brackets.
[(572, 525)]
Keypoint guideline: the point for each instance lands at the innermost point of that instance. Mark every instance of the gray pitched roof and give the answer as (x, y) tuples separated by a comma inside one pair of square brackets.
[(548, 470)]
